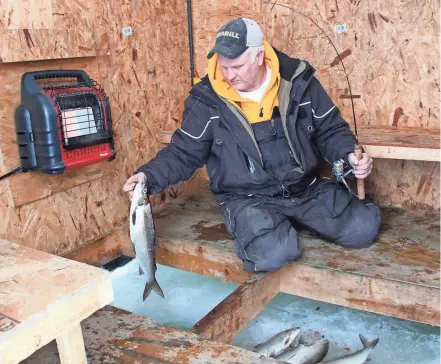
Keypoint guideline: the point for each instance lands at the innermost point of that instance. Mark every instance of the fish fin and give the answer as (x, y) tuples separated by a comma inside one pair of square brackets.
[(157, 289), (147, 290), (368, 344), (141, 272), (152, 286), (134, 217)]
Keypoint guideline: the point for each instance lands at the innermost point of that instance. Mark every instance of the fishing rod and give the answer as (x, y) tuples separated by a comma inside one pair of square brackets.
[(358, 151)]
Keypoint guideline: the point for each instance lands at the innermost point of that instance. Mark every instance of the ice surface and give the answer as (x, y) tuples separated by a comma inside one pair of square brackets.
[(189, 297)]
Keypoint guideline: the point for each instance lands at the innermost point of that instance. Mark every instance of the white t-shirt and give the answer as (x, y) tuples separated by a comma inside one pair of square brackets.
[(257, 95)]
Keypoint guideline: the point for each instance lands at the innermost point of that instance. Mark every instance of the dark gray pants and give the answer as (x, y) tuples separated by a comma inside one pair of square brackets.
[(264, 227)]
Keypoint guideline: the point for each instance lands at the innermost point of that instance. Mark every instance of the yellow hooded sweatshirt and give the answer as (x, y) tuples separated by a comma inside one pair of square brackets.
[(251, 109)]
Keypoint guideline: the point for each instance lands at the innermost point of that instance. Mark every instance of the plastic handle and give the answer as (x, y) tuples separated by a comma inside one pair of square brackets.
[(80, 75)]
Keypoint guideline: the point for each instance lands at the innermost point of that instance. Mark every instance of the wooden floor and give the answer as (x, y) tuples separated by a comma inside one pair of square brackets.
[(112, 335), (399, 275)]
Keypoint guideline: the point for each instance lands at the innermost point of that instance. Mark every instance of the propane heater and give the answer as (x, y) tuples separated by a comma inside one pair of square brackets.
[(62, 122)]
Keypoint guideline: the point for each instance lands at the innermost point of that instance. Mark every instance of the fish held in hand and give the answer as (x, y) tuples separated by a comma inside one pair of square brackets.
[(144, 239)]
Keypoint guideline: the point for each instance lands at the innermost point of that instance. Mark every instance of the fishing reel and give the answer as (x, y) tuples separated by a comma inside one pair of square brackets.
[(338, 170)]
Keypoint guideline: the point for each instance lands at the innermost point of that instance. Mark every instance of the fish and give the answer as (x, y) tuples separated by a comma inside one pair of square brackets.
[(143, 237), (359, 357), (279, 342), (306, 354)]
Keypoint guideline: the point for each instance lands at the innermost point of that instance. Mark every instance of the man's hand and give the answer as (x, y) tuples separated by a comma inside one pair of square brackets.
[(362, 167), (130, 184)]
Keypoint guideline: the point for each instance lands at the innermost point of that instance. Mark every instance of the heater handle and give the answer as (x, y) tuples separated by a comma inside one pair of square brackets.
[(80, 75)]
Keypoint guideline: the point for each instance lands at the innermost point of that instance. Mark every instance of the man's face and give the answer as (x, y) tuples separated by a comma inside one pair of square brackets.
[(241, 73)]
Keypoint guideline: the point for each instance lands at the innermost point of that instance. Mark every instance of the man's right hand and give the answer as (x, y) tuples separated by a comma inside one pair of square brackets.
[(130, 184)]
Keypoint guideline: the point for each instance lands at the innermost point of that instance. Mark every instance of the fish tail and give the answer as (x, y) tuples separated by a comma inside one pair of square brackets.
[(152, 286), (368, 344), (158, 289)]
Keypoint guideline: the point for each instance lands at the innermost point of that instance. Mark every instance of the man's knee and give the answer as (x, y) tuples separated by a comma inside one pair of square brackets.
[(272, 250), (363, 229)]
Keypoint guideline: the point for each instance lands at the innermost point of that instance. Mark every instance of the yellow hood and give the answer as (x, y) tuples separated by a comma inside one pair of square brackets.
[(251, 109)]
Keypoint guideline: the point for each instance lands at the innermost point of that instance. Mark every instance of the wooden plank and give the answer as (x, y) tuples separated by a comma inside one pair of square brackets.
[(399, 137), (197, 245), (368, 293), (230, 316), (388, 152), (47, 185), (208, 259), (44, 294), (405, 143), (112, 335), (406, 249), (404, 258), (70, 346), (21, 45), (386, 142), (102, 250)]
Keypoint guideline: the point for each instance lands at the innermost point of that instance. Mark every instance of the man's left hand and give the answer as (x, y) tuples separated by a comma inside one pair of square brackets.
[(362, 167)]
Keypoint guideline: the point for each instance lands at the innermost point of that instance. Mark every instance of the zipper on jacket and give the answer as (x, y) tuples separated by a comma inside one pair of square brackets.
[(285, 191), (273, 128), (249, 163), (245, 122)]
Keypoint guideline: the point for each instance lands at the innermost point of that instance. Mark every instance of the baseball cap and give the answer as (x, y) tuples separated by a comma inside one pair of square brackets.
[(234, 38)]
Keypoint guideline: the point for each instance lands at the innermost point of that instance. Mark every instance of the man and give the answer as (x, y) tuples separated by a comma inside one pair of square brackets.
[(261, 122)]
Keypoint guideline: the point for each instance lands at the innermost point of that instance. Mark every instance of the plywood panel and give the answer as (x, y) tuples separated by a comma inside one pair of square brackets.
[(146, 78), (31, 45), (37, 30), (391, 52), (26, 14)]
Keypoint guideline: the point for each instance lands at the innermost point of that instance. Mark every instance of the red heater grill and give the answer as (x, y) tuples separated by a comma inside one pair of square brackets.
[(62, 125)]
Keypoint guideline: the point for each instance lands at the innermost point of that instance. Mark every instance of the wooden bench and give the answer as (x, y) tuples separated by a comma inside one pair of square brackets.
[(112, 335), (387, 142), (45, 297), (397, 276)]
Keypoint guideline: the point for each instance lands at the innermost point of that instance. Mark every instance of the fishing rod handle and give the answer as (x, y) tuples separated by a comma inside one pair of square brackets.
[(360, 182)]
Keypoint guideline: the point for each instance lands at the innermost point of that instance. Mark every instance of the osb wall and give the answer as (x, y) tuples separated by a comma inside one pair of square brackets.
[(391, 54), (146, 78)]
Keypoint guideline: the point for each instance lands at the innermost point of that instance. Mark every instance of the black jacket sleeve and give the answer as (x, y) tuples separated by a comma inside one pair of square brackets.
[(187, 151), (334, 137)]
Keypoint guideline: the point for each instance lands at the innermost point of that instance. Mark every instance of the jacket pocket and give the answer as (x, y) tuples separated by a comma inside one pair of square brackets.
[(333, 197)]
